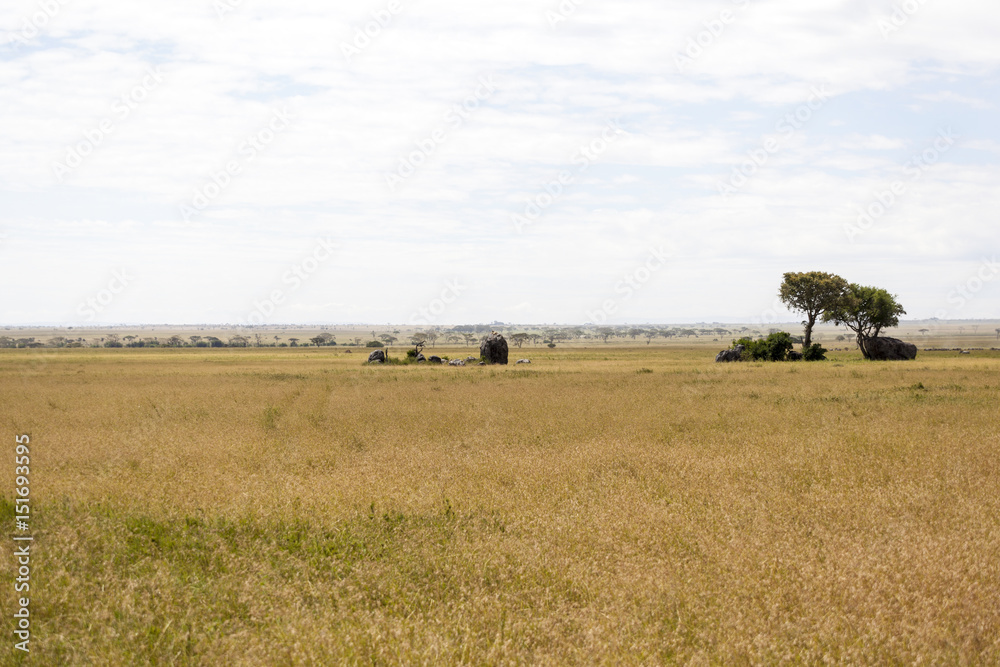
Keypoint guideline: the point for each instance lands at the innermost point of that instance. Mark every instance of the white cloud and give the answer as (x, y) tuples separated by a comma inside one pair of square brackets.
[(556, 88)]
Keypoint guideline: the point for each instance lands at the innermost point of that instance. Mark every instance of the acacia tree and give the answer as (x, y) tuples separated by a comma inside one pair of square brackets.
[(811, 294), (865, 311)]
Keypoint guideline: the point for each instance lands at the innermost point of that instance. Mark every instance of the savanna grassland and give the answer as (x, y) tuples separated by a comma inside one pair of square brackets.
[(604, 505)]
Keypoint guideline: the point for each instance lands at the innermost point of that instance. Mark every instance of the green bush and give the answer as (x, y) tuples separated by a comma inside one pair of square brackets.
[(374, 343), (773, 348), (814, 352)]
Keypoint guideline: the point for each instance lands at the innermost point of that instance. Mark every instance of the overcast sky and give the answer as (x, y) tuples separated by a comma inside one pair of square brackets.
[(437, 162)]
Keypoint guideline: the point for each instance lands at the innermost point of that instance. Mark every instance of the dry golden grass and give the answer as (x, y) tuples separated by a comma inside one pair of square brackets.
[(603, 505)]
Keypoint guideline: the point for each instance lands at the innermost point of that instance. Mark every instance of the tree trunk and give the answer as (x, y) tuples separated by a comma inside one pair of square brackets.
[(809, 332), (863, 344)]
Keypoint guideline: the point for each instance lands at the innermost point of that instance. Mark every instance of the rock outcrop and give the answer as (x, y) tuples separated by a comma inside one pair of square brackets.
[(888, 349), (376, 357), (494, 349), (735, 354)]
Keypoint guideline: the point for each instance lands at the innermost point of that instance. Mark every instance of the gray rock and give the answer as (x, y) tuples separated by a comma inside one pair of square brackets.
[(735, 354), (794, 356), (471, 359), (376, 357), (524, 361), (494, 349), (456, 362), (880, 348), (434, 359), (421, 357)]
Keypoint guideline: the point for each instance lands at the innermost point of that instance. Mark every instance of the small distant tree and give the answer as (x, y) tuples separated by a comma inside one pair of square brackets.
[(519, 339), (811, 294), (866, 311), (924, 331), (998, 334), (432, 336), (388, 339)]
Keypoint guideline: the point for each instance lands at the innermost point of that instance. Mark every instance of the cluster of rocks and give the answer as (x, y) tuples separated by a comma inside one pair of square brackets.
[(493, 349), (433, 359)]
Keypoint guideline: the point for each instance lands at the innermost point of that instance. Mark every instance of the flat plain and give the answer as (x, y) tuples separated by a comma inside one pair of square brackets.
[(602, 505)]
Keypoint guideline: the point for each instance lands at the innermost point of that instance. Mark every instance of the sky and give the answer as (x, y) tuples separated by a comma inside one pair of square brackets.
[(433, 162)]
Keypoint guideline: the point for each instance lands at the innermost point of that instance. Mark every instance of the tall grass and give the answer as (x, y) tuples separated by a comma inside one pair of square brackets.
[(600, 506)]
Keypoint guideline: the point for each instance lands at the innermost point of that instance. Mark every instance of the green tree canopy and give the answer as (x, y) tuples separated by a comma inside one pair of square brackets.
[(866, 311), (812, 294)]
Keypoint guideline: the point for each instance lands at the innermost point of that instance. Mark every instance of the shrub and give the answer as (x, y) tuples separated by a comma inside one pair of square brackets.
[(773, 348), (814, 352), (374, 343)]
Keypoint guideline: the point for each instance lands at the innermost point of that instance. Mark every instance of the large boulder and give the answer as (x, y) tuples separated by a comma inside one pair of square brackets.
[(376, 357), (434, 359), (888, 349), (795, 356), (494, 349), (735, 354)]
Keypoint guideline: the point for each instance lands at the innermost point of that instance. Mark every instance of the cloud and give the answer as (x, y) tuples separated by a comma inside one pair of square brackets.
[(77, 84)]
